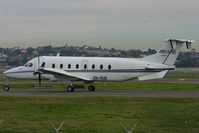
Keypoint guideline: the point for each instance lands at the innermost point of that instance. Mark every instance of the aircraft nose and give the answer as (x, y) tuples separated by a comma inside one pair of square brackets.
[(11, 72), (6, 73)]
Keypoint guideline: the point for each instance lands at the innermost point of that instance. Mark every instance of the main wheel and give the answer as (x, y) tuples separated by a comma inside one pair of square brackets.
[(6, 88), (70, 88), (91, 88)]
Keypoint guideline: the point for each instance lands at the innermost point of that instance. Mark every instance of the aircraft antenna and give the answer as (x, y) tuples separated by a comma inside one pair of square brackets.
[(38, 62)]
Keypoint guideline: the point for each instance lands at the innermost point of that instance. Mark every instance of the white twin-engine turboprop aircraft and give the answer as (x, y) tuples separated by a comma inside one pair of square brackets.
[(100, 69)]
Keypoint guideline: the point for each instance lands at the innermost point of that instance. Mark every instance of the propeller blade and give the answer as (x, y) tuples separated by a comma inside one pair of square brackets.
[(39, 78)]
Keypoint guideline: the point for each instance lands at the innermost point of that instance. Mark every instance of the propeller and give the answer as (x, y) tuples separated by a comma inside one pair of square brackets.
[(39, 76), (37, 72)]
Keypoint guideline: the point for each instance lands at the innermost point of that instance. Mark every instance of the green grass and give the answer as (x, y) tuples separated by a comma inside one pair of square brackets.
[(147, 86), (120, 86), (182, 77), (99, 114)]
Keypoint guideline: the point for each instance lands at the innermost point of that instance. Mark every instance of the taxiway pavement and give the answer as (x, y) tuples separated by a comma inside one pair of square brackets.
[(84, 93)]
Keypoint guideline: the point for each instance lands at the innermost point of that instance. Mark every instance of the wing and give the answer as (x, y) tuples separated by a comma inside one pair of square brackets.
[(62, 73)]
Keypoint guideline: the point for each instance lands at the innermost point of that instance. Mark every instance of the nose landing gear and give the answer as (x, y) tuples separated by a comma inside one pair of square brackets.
[(6, 87)]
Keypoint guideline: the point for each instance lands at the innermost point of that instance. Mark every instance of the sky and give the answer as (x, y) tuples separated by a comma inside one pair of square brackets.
[(122, 24)]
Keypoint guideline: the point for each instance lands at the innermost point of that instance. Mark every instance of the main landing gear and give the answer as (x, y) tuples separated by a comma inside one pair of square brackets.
[(91, 88), (71, 88), (6, 87)]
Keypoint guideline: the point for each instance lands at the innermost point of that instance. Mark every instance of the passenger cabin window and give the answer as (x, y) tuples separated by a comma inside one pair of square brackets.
[(85, 66), (77, 66), (101, 67), (43, 64), (61, 66), (69, 66), (93, 66), (109, 67), (53, 65)]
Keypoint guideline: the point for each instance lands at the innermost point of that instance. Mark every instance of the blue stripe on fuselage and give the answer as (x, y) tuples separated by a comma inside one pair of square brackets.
[(107, 71), (121, 70)]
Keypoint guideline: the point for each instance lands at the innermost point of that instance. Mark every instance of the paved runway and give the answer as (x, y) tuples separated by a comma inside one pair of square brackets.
[(80, 93), (165, 80)]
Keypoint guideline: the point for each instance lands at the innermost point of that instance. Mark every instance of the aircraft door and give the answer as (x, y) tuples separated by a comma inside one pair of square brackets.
[(84, 64)]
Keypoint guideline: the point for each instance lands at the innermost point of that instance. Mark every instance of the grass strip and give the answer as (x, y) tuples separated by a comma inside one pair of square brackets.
[(99, 114)]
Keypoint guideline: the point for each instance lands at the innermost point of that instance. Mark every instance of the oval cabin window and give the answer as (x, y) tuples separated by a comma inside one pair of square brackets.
[(85, 66), (93, 66), (101, 66), (77, 66), (53, 65), (61, 66), (109, 67), (69, 66)]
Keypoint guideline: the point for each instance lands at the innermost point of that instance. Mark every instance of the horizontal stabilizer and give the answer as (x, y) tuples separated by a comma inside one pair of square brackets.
[(187, 42), (157, 75), (180, 40)]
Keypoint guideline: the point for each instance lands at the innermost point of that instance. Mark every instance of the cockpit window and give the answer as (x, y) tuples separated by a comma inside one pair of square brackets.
[(30, 65)]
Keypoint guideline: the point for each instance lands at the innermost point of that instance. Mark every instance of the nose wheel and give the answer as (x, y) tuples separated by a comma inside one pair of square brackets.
[(6, 88)]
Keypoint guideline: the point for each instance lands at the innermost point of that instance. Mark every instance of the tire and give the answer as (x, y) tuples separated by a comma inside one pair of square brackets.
[(70, 88), (6, 88), (91, 88)]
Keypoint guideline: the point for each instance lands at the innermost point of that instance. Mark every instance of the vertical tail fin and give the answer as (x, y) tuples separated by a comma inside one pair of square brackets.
[(169, 51)]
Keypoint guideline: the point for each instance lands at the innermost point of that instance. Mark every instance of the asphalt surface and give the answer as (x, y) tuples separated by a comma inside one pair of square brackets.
[(179, 81), (78, 93), (164, 80)]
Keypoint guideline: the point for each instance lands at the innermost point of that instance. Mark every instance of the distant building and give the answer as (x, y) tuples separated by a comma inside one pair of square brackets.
[(3, 59)]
